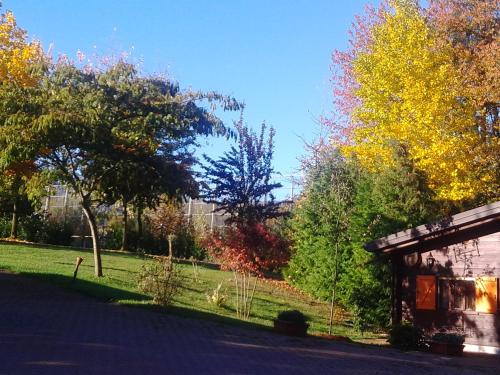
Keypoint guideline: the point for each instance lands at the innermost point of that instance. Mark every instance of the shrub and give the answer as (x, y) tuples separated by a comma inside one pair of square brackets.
[(406, 337), (5, 224), (113, 236), (32, 227), (217, 297), (37, 228), (57, 233), (292, 316), (160, 278), (248, 249), (252, 248)]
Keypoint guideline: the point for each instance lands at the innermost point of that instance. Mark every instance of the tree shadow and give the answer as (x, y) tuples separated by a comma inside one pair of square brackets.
[(105, 293), (92, 289)]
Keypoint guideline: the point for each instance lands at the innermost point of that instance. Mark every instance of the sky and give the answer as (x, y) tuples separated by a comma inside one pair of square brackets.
[(273, 55)]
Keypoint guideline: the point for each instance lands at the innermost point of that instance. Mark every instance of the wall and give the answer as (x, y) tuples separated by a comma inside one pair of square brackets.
[(471, 259)]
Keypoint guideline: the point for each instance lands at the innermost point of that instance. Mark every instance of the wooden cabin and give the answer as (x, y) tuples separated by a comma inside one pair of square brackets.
[(445, 276)]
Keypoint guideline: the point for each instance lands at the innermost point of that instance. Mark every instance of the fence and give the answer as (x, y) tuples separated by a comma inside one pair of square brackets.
[(63, 206)]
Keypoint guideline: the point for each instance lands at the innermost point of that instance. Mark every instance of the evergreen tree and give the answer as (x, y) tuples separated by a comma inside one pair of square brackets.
[(379, 204)]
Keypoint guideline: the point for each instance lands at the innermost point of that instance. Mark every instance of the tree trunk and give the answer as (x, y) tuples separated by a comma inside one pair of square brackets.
[(125, 227), (95, 243), (170, 251), (334, 289), (15, 220), (139, 226)]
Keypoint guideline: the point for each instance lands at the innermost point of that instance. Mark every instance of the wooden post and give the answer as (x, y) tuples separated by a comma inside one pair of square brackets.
[(65, 203), (47, 202), (190, 210), (212, 218), (396, 302), (79, 261)]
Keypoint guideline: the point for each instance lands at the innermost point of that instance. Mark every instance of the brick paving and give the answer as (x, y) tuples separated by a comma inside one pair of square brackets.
[(46, 330)]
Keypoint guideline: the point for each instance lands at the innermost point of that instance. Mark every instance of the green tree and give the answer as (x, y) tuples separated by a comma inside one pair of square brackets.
[(88, 124), (342, 208), (383, 203), (142, 182), (319, 226), (21, 179)]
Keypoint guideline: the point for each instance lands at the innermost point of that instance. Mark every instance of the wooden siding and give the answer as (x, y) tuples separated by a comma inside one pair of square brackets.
[(477, 257)]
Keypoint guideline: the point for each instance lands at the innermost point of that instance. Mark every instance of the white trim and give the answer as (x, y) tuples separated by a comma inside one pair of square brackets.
[(471, 348)]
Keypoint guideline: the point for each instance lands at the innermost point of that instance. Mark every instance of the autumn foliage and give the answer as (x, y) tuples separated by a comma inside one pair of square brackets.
[(249, 248), (423, 83), (17, 56)]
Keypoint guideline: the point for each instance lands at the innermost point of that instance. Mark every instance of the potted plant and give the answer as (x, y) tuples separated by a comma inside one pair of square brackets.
[(448, 343), (291, 322)]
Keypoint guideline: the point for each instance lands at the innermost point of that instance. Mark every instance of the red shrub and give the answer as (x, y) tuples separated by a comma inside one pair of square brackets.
[(252, 248)]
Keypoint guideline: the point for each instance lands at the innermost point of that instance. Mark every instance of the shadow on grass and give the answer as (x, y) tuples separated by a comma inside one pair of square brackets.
[(107, 293), (97, 290)]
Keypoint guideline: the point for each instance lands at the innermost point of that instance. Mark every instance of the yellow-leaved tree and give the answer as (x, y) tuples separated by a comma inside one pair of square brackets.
[(407, 97), (17, 56), (19, 72)]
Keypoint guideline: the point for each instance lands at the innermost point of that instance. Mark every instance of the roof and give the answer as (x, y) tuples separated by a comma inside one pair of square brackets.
[(457, 228)]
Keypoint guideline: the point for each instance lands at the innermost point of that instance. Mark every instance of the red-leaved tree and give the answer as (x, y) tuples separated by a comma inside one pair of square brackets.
[(249, 249), (240, 183)]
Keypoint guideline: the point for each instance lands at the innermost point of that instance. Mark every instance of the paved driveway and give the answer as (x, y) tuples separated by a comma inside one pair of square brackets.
[(45, 330)]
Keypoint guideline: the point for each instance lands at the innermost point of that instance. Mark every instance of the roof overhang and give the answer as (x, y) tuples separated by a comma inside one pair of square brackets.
[(461, 227)]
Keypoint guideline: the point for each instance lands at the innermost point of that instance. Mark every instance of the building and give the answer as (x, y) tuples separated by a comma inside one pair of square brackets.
[(445, 276)]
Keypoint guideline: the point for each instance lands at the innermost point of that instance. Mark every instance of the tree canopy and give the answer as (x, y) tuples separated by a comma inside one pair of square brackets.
[(411, 83), (89, 126), (18, 57), (240, 181)]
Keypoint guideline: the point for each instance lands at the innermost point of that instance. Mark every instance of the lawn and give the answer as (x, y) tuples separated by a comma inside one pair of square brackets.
[(119, 284)]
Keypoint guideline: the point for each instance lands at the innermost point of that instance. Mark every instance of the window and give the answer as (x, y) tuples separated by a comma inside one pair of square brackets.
[(457, 294), (468, 294)]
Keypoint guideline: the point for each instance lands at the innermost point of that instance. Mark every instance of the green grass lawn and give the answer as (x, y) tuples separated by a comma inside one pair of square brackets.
[(119, 284)]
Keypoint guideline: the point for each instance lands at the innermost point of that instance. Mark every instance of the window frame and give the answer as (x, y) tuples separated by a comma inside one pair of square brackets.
[(451, 299)]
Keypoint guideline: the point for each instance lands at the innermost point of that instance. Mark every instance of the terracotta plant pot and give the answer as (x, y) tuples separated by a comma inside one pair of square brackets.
[(290, 328), (446, 348)]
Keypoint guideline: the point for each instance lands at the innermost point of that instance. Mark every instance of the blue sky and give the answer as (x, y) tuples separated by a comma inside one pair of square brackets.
[(274, 55)]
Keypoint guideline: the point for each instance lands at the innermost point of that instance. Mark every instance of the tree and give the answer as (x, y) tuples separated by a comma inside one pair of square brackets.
[(144, 181), (14, 192), (168, 223), (248, 250), (19, 58), (90, 122), (240, 181), (400, 91), (472, 28), (319, 227), (20, 63), (344, 206), (383, 203)]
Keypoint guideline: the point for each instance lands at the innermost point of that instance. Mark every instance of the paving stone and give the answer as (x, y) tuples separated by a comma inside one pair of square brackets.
[(49, 331)]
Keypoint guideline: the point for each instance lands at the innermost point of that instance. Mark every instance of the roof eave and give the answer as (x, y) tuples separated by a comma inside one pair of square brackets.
[(464, 220)]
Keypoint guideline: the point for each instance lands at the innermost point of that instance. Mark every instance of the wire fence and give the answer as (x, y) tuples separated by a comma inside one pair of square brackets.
[(61, 205)]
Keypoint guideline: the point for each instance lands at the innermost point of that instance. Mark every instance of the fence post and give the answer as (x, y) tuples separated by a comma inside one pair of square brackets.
[(212, 218), (190, 204), (65, 203), (47, 201)]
